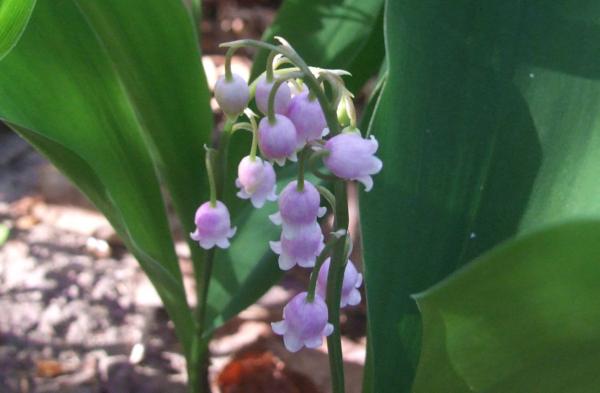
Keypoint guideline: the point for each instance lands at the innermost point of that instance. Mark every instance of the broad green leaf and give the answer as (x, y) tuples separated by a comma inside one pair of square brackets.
[(522, 318), (14, 16), (59, 83), (169, 287), (478, 146), (331, 34)]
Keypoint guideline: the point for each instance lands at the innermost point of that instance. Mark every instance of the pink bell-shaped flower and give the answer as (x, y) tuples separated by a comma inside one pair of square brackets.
[(302, 250), (232, 95), (298, 209), (213, 226), (352, 157), (304, 323), (308, 117), (352, 281), (277, 141), (256, 181), (282, 97)]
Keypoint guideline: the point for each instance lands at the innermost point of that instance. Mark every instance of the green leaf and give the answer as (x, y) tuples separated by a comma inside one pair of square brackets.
[(478, 146), (332, 34), (521, 318), (59, 83), (14, 16)]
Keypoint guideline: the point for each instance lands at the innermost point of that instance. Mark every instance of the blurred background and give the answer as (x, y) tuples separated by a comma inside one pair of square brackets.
[(77, 315)]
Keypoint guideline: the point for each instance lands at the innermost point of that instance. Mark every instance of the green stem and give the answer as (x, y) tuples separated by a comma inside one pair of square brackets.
[(273, 93), (270, 69), (210, 171), (203, 271), (314, 275), (254, 145), (301, 164), (228, 56)]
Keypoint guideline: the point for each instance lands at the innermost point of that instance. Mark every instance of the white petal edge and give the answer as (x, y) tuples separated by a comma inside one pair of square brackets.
[(275, 247), (327, 330), (314, 342), (279, 327), (354, 297), (367, 181), (292, 343), (322, 211), (276, 218)]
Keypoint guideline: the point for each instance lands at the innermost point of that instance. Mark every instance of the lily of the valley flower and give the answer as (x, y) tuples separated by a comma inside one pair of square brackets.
[(304, 323), (298, 209), (302, 250), (213, 226), (307, 115), (352, 157), (256, 181), (282, 96), (277, 140), (352, 281), (232, 95)]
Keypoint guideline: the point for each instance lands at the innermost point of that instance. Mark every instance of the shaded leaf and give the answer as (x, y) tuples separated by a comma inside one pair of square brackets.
[(521, 318), (475, 150)]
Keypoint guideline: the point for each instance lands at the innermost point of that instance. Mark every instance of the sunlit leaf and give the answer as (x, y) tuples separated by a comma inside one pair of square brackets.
[(14, 16)]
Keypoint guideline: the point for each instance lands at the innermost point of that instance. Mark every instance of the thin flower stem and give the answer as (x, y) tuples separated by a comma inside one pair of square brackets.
[(314, 275), (228, 56), (301, 164), (270, 69), (254, 145), (210, 171), (203, 271), (273, 93)]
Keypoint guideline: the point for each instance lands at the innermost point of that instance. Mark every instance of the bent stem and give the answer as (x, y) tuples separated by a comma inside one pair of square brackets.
[(197, 369)]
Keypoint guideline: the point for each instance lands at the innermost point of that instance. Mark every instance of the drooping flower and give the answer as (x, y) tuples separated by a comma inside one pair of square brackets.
[(308, 117), (282, 97), (256, 181), (304, 323), (302, 250), (298, 209), (352, 281), (232, 95), (277, 141), (213, 226), (352, 157)]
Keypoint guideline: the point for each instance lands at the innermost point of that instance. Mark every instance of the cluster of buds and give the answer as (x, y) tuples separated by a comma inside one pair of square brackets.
[(294, 128)]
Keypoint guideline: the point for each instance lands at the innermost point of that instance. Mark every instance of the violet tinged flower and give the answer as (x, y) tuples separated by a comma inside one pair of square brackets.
[(298, 209), (352, 281), (277, 141), (282, 97), (232, 95), (304, 323), (308, 117), (352, 157), (303, 249), (213, 226), (256, 181)]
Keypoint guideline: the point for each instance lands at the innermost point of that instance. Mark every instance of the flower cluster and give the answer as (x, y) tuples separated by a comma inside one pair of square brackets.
[(294, 128)]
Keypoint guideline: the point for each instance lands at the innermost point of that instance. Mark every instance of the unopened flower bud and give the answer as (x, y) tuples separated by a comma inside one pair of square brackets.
[(352, 157), (302, 250), (304, 323), (282, 97), (277, 141), (256, 181), (352, 281), (213, 226), (232, 95), (308, 117)]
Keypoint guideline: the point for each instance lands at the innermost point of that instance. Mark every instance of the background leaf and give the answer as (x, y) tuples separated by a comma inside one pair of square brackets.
[(59, 83), (478, 145), (522, 318), (344, 34), (14, 16)]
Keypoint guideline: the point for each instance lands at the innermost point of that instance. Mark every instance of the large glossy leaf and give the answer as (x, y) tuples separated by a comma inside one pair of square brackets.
[(478, 145), (523, 318), (59, 83), (14, 16), (332, 34)]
